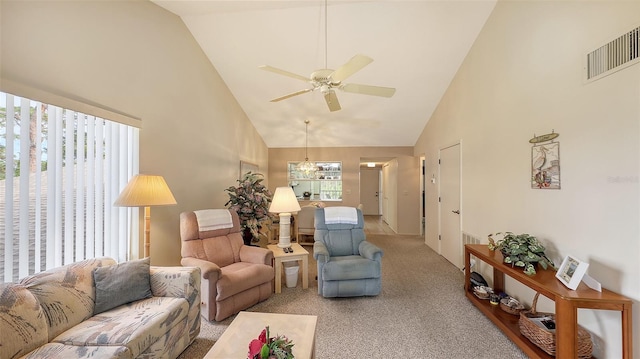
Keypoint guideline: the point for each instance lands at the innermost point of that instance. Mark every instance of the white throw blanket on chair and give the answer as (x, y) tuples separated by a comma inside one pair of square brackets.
[(333, 215), (212, 219)]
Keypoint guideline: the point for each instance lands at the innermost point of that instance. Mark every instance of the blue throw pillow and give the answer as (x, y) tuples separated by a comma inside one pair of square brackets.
[(121, 283)]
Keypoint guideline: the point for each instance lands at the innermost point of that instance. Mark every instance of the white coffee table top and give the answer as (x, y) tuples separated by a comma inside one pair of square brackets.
[(234, 342)]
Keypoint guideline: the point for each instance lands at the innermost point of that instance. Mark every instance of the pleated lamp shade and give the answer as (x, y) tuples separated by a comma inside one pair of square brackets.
[(145, 190)]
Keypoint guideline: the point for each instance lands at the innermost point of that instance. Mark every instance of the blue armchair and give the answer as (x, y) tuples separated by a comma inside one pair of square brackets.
[(348, 265)]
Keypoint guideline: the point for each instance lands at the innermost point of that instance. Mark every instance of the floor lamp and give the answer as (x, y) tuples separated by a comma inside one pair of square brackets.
[(284, 202), (146, 191)]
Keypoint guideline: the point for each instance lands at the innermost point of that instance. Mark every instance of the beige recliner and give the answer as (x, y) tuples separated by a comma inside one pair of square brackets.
[(234, 276)]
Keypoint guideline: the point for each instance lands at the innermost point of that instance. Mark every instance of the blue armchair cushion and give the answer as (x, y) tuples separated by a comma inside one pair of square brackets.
[(350, 267)]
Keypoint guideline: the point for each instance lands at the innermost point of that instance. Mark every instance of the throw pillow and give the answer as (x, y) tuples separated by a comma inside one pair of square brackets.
[(121, 283)]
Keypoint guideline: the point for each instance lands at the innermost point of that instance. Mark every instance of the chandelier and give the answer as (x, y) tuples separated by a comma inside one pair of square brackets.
[(307, 167)]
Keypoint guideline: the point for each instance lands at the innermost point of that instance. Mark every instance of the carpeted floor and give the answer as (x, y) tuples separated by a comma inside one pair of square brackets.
[(421, 313)]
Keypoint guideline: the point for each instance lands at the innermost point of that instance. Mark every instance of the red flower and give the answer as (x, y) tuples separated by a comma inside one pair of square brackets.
[(254, 348), (256, 345)]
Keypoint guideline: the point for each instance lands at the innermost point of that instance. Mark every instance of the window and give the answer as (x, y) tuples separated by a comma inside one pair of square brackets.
[(325, 184), (60, 172)]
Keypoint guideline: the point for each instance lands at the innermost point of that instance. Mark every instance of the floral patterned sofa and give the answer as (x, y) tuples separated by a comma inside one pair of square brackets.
[(74, 311)]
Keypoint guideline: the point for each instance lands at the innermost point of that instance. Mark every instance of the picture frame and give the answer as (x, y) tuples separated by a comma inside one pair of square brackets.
[(246, 167), (571, 272), (545, 166)]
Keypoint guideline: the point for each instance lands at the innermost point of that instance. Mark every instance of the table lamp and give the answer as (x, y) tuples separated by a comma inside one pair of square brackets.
[(284, 202), (145, 191)]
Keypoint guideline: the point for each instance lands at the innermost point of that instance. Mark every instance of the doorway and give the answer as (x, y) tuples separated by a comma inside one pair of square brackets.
[(449, 198), (370, 190)]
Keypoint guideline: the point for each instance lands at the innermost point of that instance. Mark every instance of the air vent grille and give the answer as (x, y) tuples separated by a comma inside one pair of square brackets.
[(614, 55)]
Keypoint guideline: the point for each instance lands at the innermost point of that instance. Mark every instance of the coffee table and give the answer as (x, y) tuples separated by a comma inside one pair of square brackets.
[(234, 342), (299, 254)]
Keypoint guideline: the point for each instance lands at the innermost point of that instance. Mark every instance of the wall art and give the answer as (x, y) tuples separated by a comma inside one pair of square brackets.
[(545, 162)]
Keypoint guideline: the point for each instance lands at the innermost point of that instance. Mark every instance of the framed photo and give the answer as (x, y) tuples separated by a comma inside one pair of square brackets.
[(246, 167), (571, 272)]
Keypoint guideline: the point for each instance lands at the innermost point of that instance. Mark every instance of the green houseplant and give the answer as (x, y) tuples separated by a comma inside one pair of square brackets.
[(521, 250), (250, 199)]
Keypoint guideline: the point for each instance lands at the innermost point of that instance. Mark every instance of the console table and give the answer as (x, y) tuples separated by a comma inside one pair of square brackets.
[(567, 303)]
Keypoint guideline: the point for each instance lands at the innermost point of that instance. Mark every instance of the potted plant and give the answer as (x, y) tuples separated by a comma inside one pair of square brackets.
[(521, 250), (250, 199)]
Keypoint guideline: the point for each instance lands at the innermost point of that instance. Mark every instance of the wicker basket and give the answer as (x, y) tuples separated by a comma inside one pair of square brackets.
[(546, 339), (511, 310)]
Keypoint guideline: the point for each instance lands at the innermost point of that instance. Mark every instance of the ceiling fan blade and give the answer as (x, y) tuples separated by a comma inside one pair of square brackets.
[(369, 90), (291, 95), (332, 101), (283, 72), (351, 67)]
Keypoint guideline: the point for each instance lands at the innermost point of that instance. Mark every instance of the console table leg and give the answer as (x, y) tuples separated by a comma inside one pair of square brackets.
[(627, 321), (566, 329)]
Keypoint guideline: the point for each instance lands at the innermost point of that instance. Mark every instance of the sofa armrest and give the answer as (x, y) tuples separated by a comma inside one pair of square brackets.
[(181, 282), (256, 255), (209, 270), (320, 252), (370, 251)]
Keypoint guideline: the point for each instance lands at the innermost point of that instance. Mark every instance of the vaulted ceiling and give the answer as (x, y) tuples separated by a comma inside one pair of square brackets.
[(417, 48)]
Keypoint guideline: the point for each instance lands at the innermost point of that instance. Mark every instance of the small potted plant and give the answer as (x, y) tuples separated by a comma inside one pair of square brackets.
[(521, 250)]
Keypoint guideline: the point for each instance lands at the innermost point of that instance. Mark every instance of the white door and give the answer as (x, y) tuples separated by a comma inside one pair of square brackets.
[(450, 238), (369, 191)]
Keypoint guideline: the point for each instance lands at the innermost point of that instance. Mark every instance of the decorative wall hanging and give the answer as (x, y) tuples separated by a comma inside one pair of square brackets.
[(545, 162)]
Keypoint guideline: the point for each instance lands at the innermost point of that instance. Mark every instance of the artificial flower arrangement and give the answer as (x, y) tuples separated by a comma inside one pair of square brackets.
[(270, 348), (250, 199)]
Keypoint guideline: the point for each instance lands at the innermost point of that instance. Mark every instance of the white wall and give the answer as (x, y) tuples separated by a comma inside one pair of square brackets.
[(139, 59), (522, 77)]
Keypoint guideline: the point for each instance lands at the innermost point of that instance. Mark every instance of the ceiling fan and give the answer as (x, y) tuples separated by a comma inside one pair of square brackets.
[(327, 80)]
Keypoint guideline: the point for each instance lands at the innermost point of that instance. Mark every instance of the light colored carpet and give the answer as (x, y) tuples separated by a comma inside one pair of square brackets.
[(421, 313)]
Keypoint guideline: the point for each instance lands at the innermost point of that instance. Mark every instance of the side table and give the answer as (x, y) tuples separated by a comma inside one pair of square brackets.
[(279, 257)]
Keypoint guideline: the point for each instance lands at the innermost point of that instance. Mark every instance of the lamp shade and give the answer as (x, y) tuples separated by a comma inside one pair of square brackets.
[(145, 190), (284, 200)]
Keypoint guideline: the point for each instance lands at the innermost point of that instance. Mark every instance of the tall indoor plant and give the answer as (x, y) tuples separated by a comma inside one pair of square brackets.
[(250, 199)]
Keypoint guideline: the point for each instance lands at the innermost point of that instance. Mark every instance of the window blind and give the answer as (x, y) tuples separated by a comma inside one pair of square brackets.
[(61, 171)]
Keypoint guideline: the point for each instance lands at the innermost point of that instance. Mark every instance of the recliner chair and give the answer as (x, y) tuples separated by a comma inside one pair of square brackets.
[(234, 276), (348, 265)]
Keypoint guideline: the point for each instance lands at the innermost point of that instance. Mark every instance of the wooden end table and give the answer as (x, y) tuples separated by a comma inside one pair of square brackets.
[(279, 257)]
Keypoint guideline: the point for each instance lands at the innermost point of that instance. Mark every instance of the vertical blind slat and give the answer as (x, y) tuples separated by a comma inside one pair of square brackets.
[(38, 192), (90, 192), (80, 209), (58, 215), (99, 198), (8, 228), (69, 205), (24, 195)]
